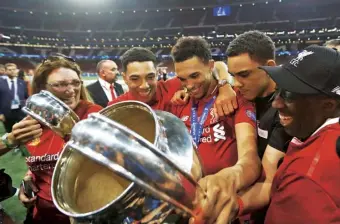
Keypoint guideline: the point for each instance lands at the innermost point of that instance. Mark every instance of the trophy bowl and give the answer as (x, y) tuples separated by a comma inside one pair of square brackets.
[(87, 161)]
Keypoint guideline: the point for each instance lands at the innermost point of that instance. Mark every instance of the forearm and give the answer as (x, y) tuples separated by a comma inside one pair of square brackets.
[(221, 73), (247, 170), (256, 197), (3, 149), (221, 70)]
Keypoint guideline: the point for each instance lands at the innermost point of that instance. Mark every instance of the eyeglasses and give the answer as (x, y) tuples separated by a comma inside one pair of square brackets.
[(58, 56), (290, 96), (286, 95), (62, 86)]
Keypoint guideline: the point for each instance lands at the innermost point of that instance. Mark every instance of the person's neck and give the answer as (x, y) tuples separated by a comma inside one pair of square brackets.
[(11, 77), (270, 89)]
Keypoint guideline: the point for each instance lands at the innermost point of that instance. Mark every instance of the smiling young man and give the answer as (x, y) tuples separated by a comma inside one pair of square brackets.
[(245, 54), (140, 75), (306, 185), (226, 145)]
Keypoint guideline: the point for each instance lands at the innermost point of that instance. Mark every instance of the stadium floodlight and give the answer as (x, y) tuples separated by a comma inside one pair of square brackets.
[(4, 37), (14, 10), (146, 10), (180, 9), (240, 5), (203, 8), (134, 11)]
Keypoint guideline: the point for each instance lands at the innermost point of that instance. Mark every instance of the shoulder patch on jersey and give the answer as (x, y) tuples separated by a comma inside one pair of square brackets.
[(251, 115)]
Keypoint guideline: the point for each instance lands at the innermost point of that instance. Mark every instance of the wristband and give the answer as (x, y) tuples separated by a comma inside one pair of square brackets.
[(4, 139), (240, 206)]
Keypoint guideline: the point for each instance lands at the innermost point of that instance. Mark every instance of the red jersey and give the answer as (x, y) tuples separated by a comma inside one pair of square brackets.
[(306, 185), (217, 148), (164, 92), (45, 151)]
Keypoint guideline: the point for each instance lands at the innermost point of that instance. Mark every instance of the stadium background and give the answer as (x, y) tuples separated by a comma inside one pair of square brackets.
[(92, 30)]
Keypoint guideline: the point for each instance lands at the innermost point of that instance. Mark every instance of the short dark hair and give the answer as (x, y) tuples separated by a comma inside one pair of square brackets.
[(188, 47), (334, 42), (258, 45), (139, 54)]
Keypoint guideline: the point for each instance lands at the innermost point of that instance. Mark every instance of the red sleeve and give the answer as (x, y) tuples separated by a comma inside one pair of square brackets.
[(121, 98), (172, 86), (92, 109), (245, 112), (85, 108), (300, 200)]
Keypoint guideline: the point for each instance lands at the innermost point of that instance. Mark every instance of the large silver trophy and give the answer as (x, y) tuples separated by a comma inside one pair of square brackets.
[(52, 112), (126, 164)]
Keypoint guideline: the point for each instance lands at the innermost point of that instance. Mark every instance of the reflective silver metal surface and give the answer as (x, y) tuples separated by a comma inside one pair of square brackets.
[(167, 169), (52, 112)]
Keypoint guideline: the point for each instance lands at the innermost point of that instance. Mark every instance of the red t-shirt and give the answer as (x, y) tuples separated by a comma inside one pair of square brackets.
[(217, 148), (164, 92), (306, 187), (45, 151)]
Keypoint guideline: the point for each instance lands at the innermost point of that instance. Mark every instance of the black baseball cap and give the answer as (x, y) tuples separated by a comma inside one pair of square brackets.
[(315, 70)]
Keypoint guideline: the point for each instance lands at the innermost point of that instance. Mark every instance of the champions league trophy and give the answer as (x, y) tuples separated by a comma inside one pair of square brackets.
[(125, 164)]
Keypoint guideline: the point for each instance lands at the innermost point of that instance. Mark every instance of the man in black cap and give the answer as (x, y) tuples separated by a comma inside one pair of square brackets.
[(306, 185)]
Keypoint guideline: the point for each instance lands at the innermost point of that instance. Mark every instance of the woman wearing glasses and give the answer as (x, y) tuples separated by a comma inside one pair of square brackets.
[(61, 76)]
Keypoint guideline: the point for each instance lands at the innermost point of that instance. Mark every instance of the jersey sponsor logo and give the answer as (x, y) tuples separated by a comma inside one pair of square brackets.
[(219, 133), (251, 115), (41, 163), (43, 158), (185, 118), (214, 134), (206, 139)]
